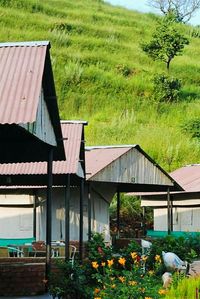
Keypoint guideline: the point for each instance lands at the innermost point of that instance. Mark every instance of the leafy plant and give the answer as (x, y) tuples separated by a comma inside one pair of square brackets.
[(166, 89), (192, 127), (167, 42)]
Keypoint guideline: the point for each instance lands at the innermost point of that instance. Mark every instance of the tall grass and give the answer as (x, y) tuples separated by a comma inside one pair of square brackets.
[(186, 289), (102, 75)]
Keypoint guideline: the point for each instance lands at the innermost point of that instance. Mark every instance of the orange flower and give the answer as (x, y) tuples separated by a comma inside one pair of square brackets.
[(132, 282), (162, 292), (96, 291), (147, 297), (97, 297), (144, 258), (158, 258), (151, 272), (122, 278), (103, 264), (134, 255), (122, 261), (110, 263), (95, 265)]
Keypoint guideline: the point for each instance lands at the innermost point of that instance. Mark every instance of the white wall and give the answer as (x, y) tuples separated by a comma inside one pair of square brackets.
[(16, 222), (184, 219)]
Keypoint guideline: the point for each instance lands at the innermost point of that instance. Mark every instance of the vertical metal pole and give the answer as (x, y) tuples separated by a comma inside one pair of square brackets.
[(34, 217), (143, 222), (67, 224), (81, 220), (49, 213), (171, 214), (89, 213), (118, 213), (168, 213)]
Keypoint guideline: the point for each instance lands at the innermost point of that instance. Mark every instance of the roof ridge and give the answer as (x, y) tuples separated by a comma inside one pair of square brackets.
[(25, 44)]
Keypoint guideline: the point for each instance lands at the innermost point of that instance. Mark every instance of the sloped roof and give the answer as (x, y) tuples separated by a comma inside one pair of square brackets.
[(21, 70), (73, 136), (188, 177), (24, 68), (129, 167)]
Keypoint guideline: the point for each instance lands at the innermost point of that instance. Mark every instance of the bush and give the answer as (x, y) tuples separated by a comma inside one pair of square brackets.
[(192, 127), (166, 89)]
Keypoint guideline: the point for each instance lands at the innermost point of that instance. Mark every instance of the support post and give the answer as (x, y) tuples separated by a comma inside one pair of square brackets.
[(67, 224), (89, 214), (34, 217), (81, 220), (118, 213), (171, 214), (49, 213), (168, 213)]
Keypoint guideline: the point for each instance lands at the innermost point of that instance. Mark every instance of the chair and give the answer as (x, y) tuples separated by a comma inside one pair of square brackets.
[(4, 252), (72, 252), (39, 248)]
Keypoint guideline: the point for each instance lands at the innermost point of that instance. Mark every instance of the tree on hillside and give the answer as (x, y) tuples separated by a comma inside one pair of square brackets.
[(183, 9), (167, 42)]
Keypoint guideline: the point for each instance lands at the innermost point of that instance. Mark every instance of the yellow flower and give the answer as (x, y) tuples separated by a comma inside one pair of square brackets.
[(134, 255), (132, 282), (147, 297), (151, 272), (103, 264), (97, 297), (162, 292), (110, 263), (113, 286), (95, 265), (158, 258), (122, 261), (122, 278), (96, 291), (144, 258)]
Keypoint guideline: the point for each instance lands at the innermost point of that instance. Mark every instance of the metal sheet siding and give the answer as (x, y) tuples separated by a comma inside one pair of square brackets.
[(124, 165), (21, 71), (72, 134)]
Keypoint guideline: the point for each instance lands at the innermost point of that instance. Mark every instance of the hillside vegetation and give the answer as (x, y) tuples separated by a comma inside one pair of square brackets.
[(102, 75)]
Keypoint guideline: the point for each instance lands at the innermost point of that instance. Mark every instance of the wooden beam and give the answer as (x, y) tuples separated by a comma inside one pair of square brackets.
[(118, 213)]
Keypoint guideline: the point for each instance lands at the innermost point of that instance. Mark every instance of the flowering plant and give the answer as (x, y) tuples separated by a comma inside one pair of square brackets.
[(117, 278)]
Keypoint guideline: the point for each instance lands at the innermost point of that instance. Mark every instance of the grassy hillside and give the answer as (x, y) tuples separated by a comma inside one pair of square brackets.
[(102, 75)]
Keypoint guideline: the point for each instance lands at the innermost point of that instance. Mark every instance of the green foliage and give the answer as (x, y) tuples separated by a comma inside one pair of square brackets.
[(187, 248), (185, 288), (96, 248), (167, 42), (166, 89), (102, 75), (192, 127), (68, 282)]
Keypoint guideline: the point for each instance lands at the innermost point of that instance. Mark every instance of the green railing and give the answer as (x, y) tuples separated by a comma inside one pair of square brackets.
[(161, 234)]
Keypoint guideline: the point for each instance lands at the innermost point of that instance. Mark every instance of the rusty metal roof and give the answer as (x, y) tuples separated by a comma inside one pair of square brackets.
[(188, 177), (99, 157), (21, 72), (25, 67), (129, 167), (72, 134)]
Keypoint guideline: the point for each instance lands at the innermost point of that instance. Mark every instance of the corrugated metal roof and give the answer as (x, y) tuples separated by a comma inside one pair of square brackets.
[(21, 71), (72, 135), (126, 164), (188, 177), (97, 158)]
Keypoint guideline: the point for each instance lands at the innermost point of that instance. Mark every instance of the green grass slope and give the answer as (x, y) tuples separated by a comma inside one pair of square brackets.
[(102, 75)]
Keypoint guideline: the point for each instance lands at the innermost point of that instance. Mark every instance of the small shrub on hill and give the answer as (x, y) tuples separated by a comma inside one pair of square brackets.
[(166, 89)]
